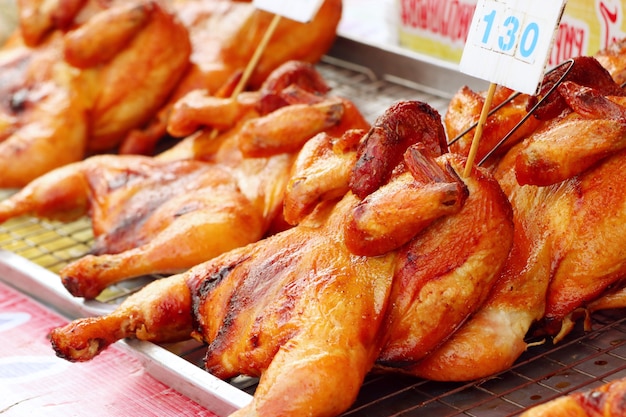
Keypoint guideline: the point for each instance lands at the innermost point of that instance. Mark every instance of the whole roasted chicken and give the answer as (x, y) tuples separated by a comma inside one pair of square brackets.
[(567, 256), (381, 272), (166, 214)]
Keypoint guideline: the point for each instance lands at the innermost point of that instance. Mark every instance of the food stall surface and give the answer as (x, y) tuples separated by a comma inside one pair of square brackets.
[(35, 382)]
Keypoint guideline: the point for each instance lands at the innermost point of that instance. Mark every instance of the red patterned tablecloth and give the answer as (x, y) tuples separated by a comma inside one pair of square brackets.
[(33, 381)]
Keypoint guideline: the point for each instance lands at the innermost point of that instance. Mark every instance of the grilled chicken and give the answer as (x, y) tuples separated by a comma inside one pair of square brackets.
[(444, 275), (224, 35), (113, 83), (43, 123), (508, 110), (581, 208), (568, 244), (164, 215), (595, 129), (54, 109), (139, 77), (303, 311), (509, 122), (606, 400)]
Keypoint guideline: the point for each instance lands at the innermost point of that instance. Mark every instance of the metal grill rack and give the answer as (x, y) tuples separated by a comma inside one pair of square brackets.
[(582, 361)]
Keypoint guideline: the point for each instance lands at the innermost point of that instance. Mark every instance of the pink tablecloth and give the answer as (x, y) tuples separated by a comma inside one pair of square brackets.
[(33, 381)]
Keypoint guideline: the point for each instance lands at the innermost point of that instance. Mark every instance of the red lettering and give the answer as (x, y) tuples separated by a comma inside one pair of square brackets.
[(569, 43), (609, 18), (446, 19)]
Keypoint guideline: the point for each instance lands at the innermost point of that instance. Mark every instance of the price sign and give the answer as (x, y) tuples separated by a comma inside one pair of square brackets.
[(298, 10), (509, 41)]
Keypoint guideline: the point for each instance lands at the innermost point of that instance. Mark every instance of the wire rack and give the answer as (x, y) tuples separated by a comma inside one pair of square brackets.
[(582, 361)]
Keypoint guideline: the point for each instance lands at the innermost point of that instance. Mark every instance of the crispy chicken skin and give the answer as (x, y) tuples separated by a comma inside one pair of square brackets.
[(465, 107), (494, 337), (444, 274), (125, 65), (43, 119), (579, 210), (567, 255), (139, 77), (464, 111), (300, 309)]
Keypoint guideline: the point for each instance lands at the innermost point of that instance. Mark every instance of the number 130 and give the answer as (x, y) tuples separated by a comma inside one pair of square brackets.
[(510, 35)]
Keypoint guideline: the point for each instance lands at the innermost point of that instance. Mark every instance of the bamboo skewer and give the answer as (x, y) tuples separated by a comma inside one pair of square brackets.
[(479, 130), (258, 52), (254, 60)]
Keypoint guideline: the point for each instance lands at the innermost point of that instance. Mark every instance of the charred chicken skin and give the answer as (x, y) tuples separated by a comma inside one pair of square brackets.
[(164, 215), (305, 312)]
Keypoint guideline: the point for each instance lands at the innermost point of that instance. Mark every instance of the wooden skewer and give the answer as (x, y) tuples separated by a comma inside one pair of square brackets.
[(254, 60), (256, 56), (479, 130)]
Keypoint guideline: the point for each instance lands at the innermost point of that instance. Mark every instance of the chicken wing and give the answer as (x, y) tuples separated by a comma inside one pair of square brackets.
[(464, 111), (594, 130), (444, 274), (583, 213), (510, 121)]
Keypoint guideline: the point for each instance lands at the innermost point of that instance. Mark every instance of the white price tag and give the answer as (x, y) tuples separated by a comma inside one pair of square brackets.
[(509, 41), (299, 10)]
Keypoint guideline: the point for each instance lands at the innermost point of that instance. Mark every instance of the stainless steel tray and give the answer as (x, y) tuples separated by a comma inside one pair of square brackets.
[(33, 251), (166, 365)]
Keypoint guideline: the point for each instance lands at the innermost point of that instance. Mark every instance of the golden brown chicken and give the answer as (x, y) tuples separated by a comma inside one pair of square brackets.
[(43, 120), (510, 121), (464, 111), (299, 308), (595, 130), (140, 73), (582, 215), (568, 246), (63, 96), (164, 215), (224, 35), (604, 401)]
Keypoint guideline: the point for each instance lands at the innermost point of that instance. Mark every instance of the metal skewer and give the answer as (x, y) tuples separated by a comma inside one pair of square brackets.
[(531, 111), (521, 122)]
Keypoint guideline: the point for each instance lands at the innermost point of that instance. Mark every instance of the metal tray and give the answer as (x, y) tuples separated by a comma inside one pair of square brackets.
[(33, 251)]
